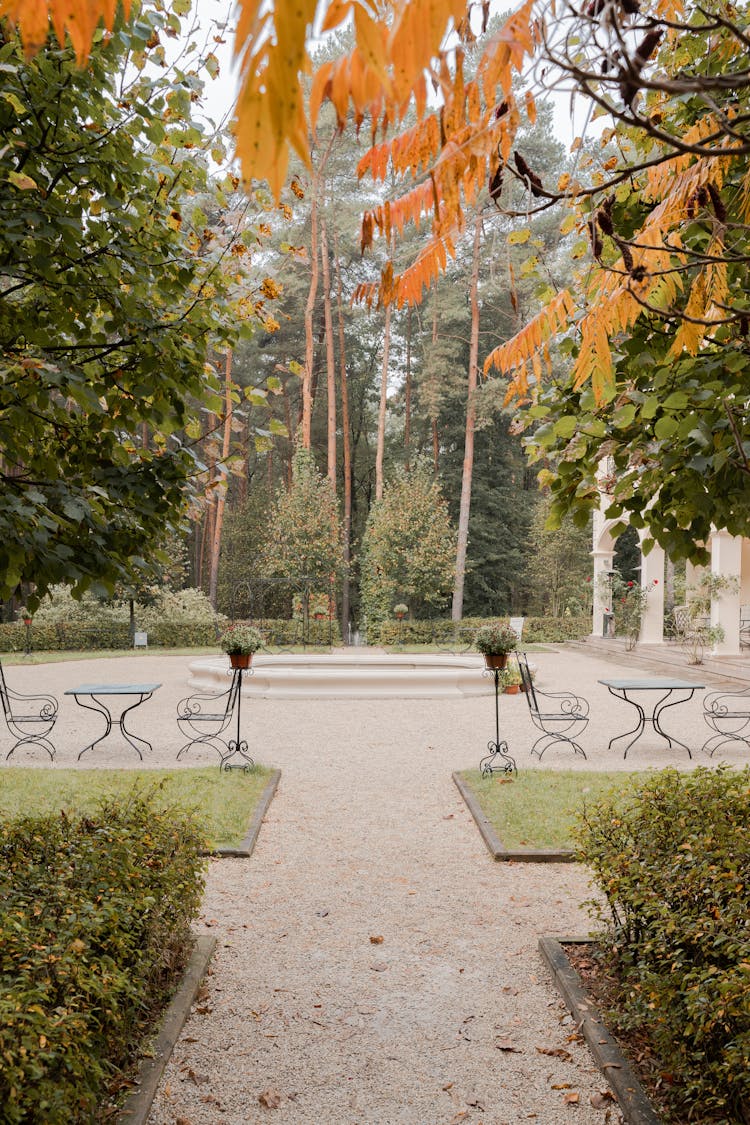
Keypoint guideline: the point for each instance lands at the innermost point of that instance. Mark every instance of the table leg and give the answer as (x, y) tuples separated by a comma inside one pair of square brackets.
[(637, 730), (95, 705), (662, 706), (128, 735)]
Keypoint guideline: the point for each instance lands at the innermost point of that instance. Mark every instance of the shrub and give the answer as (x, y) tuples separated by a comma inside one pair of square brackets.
[(442, 631), (94, 929), (672, 859)]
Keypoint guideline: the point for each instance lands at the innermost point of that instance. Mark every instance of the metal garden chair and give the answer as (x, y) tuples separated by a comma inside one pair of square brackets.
[(554, 713), (30, 718)]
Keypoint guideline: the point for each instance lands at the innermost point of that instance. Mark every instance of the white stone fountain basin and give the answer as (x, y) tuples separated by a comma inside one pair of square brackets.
[(371, 675)]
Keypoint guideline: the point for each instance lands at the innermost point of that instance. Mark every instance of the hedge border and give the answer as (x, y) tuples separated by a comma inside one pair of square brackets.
[(138, 1103), (495, 845), (631, 1097)]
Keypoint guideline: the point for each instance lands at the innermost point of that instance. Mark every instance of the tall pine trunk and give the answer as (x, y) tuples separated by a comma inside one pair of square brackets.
[(407, 393), (380, 449), (213, 581), (308, 389), (471, 415), (346, 443), (330, 357)]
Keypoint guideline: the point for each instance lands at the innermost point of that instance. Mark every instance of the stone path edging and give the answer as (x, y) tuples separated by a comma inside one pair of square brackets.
[(634, 1104), (493, 842), (138, 1104), (245, 847)]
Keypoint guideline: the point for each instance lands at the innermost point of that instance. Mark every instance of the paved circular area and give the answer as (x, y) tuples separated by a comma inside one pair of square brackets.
[(374, 966)]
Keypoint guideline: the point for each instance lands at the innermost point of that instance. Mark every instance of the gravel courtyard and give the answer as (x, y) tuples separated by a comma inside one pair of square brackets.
[(374, 966)]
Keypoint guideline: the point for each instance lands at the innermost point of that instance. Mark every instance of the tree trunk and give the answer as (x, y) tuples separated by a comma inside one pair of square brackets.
[(307, 375), (308, 393), (330, 357), (471, 414), (407, 392), (380, 449), (347, 444), (433, 420), (213, 581)]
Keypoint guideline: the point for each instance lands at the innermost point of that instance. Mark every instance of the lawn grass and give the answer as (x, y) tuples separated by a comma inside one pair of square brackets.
[(536, 808), (224, 801)]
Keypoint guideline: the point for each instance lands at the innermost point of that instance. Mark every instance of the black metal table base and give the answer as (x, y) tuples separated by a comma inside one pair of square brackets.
[(128, 735), (498, 760)]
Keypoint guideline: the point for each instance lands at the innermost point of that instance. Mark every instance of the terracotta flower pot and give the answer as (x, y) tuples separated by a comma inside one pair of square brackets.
[(495, 659), (512, 689), (240, 659)]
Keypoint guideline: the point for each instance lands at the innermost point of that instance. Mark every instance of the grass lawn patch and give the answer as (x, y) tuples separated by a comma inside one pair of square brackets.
[(223, 801), (536, 808)]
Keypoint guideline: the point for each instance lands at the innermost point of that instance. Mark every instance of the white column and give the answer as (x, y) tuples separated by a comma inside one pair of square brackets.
[(603, 562), (652, 579), (726, 561)]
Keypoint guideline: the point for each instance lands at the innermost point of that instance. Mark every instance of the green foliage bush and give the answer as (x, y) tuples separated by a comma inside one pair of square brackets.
[(94, 930), (536, 630), (63, 623), (291, 633), (672, 860)]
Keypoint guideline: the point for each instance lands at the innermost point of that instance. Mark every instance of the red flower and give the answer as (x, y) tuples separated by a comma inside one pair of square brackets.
[(629, 584)]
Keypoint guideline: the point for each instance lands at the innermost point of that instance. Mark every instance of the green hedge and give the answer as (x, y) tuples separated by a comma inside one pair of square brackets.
[(553, 630), (290, 633), (94, 931), (77, 636), (672, 860)]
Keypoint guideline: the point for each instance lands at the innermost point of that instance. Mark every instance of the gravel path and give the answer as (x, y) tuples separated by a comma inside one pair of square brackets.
[(374, 965)]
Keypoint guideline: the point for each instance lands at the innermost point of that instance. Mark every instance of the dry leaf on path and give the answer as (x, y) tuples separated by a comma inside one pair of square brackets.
[(377, 939), (504, 1044), (556, 1052), (572, 1099), (270, 1098), (601, 1097)]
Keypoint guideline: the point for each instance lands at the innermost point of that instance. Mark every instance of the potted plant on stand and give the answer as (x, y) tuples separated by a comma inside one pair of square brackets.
[(240, 642), (495, 640), (511, 681)]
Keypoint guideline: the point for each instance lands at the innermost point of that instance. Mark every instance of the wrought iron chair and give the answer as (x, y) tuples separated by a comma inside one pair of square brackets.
[(554, 713), (204, 718), (30, 718), (728, 715)]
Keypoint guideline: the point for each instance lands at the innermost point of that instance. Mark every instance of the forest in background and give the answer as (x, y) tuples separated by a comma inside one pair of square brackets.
[(390, 390)]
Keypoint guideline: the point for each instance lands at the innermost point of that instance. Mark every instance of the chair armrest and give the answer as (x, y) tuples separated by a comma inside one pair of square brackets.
[(196, 704), (575, 702), (47, 702)]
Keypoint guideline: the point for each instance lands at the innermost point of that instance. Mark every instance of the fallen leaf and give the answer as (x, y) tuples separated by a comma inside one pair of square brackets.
[(183, 1121), (198, 1079), (555, 1052), (376, 939), (504, 1044), (600, 1098), (572, 1099), (270, 1098), (561, 1086)]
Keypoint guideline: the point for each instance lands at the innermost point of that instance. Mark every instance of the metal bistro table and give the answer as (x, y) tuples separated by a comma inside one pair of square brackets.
[(682, 688), (98, 693)]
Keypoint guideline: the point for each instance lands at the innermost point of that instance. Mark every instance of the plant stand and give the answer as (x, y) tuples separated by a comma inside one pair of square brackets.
[(237, 746), (498, 760)]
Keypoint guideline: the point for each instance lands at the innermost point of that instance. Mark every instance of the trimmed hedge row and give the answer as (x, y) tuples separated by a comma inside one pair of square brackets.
[(80, 636), (553, 630), (77, 636), (672, 859), (95, 919)]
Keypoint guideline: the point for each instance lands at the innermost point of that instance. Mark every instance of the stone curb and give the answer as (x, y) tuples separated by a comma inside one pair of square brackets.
[(495, 846), (246, 846), (139, 1102), (633, 1102)]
